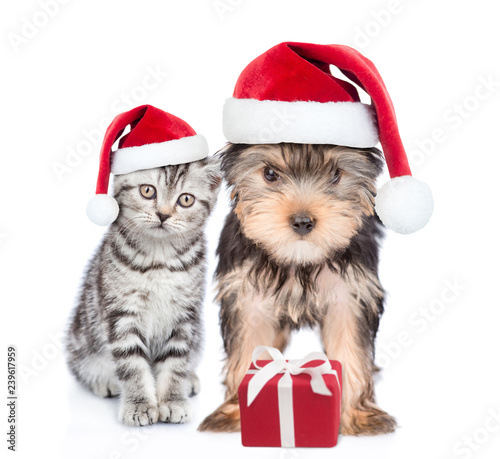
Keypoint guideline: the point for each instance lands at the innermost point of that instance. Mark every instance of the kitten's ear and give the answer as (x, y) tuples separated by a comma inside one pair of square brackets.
[(213, 169)]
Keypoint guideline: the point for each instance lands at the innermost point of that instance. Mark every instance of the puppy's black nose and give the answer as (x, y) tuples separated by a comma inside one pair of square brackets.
[(162, 217), (302, 224)]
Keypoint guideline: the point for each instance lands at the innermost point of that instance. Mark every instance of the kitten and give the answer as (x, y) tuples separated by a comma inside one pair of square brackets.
[(136, 330)]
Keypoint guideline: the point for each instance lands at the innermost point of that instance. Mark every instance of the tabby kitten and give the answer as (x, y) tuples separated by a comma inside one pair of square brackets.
[(136, 330)]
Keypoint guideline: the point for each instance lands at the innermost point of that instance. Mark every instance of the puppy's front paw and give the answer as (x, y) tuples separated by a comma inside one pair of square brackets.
[(367, 422), (175, 411), (226, 418), (138, 414)]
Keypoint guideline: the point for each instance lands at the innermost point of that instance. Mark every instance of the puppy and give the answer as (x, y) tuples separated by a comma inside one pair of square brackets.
[(300, 249)]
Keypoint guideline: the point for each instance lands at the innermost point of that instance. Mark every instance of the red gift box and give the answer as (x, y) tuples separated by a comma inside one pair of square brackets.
[(289, 409)]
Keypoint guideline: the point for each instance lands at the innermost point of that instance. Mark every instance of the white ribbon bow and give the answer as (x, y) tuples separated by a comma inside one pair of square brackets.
[(285, 398)]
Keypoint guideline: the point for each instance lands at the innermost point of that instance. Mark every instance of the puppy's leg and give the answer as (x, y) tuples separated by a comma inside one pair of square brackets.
[(348, 333), (246, 321)]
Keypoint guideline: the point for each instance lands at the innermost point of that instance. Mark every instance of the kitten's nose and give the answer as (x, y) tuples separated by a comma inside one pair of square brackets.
[(302, 224), (162, 217)]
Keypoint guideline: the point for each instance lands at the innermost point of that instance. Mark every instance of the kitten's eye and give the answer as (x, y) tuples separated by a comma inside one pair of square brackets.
[(148, 191), (270, 175), (186, 200), (336, 176)]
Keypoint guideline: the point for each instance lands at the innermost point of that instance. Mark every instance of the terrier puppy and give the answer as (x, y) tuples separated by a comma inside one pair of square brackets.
[(300, 249)]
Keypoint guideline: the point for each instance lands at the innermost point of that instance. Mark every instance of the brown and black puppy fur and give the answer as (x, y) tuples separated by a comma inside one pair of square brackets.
[(300, 248)]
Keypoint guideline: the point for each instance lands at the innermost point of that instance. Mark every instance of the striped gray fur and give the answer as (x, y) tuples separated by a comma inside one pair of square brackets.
[(136, 331)]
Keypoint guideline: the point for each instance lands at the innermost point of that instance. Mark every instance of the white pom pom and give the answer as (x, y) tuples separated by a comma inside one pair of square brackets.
[(102, 209), (404, 204)]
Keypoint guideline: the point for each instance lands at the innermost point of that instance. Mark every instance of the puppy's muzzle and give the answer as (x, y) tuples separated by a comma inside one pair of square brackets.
[(302, 224)]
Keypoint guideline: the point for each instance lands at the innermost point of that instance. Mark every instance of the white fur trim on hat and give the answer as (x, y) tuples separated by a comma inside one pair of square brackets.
[(102, 209), (179, 151), (351, 124), (404, 204)]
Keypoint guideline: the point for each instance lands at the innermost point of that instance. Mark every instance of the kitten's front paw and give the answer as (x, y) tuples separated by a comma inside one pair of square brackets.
[(138, 414), (175, 411)]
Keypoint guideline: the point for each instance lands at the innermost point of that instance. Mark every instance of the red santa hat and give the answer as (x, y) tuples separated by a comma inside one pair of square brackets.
[(156, 139), (289, 95)]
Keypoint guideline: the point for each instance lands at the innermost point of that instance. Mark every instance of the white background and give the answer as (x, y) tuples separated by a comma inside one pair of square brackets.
[(65, 77)]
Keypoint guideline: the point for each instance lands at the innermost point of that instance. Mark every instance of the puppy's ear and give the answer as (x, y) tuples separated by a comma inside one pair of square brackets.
[(214, 173)]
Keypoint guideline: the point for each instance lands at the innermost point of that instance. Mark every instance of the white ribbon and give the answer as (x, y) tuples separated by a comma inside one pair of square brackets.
[(285, 395)]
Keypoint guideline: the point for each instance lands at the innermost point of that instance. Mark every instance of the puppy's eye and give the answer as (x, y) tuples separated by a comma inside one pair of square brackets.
[(148, 191), (336, 176), (186, 200), (270, 175)]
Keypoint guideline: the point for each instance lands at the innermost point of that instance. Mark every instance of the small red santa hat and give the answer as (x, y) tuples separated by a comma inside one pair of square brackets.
[(289, 95), (156, 139)]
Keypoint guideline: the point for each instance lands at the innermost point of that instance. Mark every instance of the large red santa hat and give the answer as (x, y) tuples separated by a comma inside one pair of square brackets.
[(156, 139), (289, 95)]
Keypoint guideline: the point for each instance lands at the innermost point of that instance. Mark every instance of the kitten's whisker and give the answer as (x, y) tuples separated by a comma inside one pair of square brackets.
[(123, 228)]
